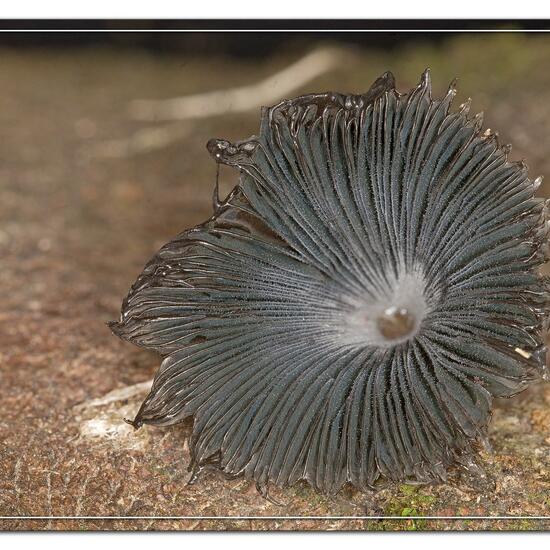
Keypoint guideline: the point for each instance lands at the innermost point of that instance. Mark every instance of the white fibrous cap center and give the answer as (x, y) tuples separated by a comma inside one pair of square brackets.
[(391, 317)]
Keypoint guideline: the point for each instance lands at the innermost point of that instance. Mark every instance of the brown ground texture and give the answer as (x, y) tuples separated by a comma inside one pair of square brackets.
[(76, 227)]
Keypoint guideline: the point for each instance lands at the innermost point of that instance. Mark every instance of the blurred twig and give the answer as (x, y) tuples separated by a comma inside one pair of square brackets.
[(244, 98), (142, 141)]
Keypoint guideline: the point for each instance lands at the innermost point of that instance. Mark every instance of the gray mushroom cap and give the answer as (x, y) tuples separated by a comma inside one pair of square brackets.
[(353, 306)]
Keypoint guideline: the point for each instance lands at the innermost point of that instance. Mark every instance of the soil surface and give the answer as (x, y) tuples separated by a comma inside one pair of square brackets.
[(80, 216)]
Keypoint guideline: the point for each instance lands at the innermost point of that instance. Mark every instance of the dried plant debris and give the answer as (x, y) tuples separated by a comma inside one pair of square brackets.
[(351, 309)]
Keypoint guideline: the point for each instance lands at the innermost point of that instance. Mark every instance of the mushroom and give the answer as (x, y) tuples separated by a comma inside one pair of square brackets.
[(354, 305)]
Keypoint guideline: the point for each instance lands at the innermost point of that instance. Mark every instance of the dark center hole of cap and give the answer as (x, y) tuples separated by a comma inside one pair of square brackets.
[(395, 323)]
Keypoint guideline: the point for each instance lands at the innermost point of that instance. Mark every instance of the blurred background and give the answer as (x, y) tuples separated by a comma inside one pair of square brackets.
[(103, 160)]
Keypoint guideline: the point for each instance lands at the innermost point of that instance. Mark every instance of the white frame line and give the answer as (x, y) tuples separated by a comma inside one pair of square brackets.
[(273, 518), (112, 31)]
